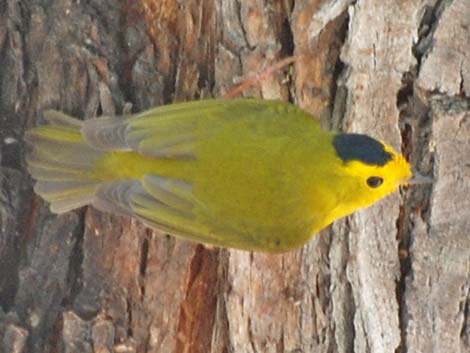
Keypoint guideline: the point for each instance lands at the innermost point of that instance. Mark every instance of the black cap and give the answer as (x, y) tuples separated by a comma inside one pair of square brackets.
[(363, 148)]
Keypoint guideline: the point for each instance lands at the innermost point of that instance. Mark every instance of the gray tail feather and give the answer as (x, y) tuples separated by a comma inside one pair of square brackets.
[(62, 163)]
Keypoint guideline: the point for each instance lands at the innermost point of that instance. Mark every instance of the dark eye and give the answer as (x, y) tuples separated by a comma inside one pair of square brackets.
[(374, 181)]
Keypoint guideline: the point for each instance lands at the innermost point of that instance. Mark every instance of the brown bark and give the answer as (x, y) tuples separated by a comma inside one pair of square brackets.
[(392, 278)]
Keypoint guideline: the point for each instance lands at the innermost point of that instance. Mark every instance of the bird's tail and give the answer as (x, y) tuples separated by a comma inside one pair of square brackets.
[(62, 163)]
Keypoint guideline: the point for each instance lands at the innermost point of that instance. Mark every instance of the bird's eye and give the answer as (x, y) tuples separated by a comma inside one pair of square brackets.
[(374, 181)]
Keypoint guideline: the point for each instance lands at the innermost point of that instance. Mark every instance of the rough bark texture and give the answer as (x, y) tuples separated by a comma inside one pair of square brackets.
[(394, 278)]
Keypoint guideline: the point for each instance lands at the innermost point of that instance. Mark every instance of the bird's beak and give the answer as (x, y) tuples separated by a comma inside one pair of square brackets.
[(419, 179)]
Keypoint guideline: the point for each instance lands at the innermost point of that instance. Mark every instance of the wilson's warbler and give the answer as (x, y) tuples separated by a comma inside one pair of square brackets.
[(243, 173)]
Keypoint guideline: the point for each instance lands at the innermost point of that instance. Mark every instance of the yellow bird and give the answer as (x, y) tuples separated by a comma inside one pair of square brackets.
[(244, 173)]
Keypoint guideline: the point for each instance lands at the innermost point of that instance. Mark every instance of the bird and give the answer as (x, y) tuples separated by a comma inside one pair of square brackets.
[(243, 173)]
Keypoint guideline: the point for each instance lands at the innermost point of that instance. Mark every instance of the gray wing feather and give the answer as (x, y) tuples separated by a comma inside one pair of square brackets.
[(107, 133), (176, 194), (167, 200), (60, 119), (155, 137), (163, 137), (115, 197)]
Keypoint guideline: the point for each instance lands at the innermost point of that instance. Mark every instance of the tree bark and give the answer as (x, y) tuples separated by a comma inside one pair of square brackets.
[(394, 278)]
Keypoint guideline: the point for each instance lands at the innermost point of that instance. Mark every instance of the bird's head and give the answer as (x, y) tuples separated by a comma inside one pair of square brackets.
[(370, 170)]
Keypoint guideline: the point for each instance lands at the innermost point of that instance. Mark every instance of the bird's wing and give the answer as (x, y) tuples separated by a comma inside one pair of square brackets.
[(171, 131), (159, 202)]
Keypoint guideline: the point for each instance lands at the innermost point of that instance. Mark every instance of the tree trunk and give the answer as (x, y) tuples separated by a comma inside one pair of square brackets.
[(394, 278)]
